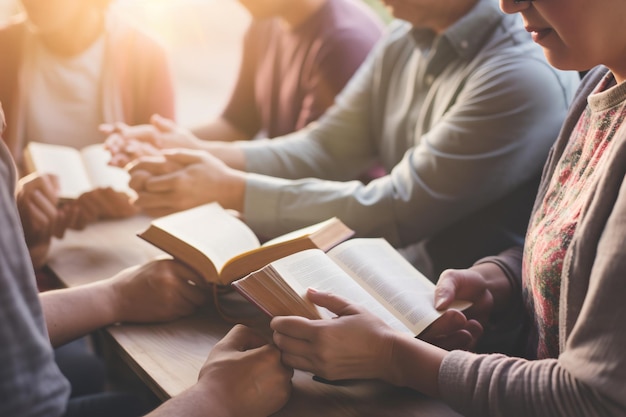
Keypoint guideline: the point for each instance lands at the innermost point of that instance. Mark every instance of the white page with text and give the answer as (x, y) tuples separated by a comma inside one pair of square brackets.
[(313, 268), (390, 278)]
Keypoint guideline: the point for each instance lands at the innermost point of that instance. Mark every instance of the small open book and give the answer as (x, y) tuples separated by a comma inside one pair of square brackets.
[(369, 272), (222, 248), (78, 171)]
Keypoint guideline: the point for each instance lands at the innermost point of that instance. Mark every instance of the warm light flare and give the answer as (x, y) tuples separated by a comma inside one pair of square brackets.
[(182, 23)]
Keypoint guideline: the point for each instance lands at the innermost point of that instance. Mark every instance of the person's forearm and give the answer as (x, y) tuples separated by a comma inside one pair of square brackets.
[(503, 276), (219, 130), (39, 254), (415, 364), (75, 312), (231, 154), (194, 402), (233, 190)]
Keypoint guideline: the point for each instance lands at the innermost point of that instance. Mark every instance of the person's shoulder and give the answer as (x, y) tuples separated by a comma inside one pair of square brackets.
[(353, 13), (398, 34), (512, 51), (126, 34), (527, 69), (345, 19), (399, 29)]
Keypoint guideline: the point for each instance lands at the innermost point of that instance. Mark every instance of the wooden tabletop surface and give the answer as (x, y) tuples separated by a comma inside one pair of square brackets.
[(167, 357)]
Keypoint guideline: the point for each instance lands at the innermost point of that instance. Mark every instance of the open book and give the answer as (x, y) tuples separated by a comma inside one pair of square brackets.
[(222, 248), (369, 272), (78, 171)]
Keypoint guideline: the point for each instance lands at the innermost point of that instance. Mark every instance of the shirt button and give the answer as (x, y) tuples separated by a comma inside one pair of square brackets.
[(464, 44), (429, 79)]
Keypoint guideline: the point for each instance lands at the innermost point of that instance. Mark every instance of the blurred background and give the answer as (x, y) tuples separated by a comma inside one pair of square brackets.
[(203, 38)]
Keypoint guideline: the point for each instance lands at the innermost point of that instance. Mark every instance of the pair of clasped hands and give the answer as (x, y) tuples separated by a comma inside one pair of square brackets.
[(45, 216), (172, 170)]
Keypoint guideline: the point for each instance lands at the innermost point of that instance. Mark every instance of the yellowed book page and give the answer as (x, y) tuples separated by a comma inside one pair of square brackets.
[(66, 163), (313, 268), (305, 231), (391, 279), (212, 230), (96, 159)]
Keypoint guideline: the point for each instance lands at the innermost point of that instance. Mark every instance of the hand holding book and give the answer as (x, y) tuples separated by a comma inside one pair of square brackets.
[(78, 171), (356, 345), (368, 272)]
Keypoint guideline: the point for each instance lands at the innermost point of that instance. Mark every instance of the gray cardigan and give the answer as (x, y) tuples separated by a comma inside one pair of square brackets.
[(589, 376)]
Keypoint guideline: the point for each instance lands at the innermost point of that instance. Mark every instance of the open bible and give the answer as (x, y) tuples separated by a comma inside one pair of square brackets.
[(78, 171), (222, 248), (369, 272)]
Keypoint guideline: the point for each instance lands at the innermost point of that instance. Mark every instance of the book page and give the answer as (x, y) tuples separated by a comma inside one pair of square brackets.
[(390, 278), (312, 268), (96, 159), (305, 231), (65, 162), (212, 230)]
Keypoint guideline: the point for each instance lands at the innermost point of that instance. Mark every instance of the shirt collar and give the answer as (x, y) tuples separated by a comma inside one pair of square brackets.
[(466, 36)]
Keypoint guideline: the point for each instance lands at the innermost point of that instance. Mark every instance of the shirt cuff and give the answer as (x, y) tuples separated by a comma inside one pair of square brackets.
[(262, 204)]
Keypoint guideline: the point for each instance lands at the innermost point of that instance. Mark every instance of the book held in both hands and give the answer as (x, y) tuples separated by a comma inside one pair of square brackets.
[(78, 171), (222, 248), (367, 271)]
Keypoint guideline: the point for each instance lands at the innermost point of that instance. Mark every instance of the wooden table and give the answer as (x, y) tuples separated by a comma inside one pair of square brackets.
[(167, 357)]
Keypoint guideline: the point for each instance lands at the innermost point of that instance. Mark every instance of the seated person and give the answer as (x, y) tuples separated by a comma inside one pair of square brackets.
[(66, 68), (243, 375), (297, 55), (566, 284), (456, 102)]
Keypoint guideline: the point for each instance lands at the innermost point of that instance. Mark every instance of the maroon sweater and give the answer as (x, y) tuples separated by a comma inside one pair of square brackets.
[(289, 77)]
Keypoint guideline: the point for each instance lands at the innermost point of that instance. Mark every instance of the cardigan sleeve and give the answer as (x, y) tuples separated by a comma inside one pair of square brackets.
[(587, 379), (510, 262)]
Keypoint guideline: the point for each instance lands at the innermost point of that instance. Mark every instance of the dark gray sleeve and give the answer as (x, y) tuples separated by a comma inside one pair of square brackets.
[(30, 382)]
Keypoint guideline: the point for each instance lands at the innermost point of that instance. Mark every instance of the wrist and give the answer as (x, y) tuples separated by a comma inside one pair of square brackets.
[(39, 254), (394, 361), (504, 283), (228, 152), (498, 285), (199, 400), (113, 291), (235, 190), (415, 364), (213, 401)]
